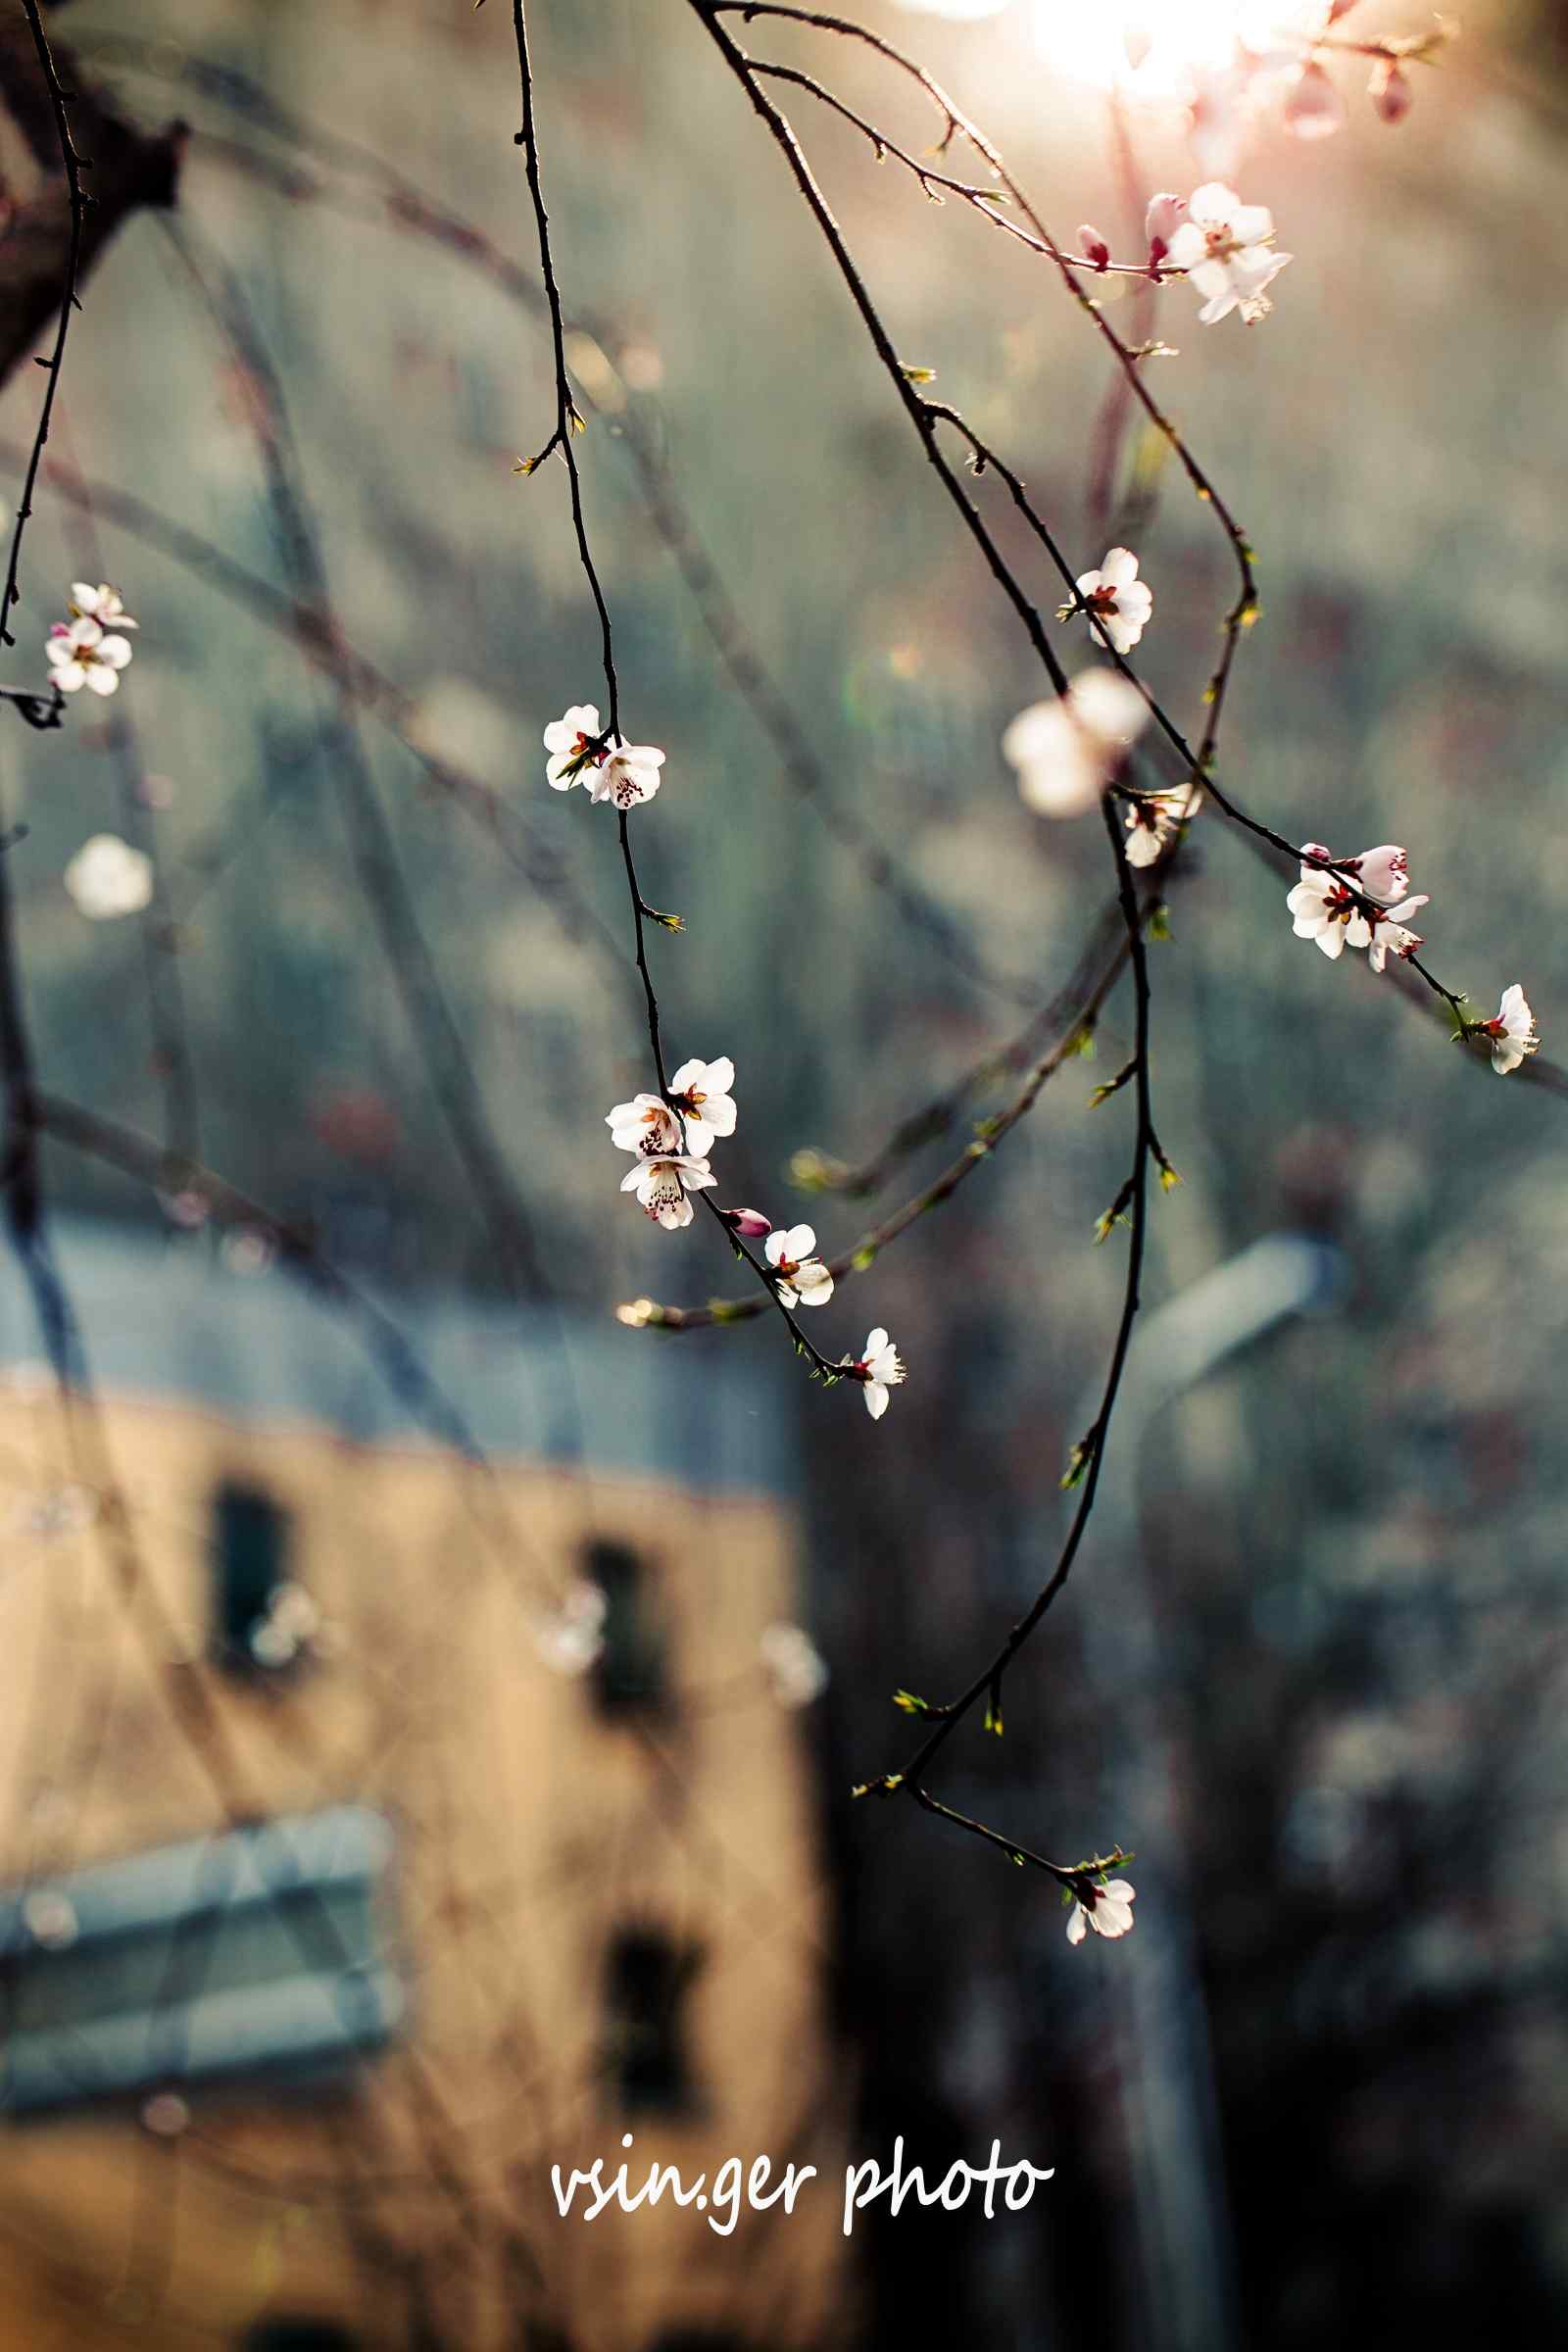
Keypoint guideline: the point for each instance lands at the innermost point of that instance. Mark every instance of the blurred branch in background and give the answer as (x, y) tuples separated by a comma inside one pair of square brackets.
[(127, 168)]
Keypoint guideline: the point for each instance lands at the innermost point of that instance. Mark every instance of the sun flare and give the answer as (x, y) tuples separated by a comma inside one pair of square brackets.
[(1154, 48)]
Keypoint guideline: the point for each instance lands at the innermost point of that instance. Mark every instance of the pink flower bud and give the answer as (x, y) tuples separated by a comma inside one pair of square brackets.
[(1092, 245), (1391, 92), (1314, 108), (1162, 219), (749, 1223)]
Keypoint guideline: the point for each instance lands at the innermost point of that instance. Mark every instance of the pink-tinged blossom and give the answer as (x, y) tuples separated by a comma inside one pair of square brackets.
[(609, 769), (1226, 248), (1359, 905), (1162, 219), (81, 655), (1389, 91), (102, 604), (799, 1277), (700, 1091), (879, 1369), (1382, 874), (1315, 109), (1117, 599), (645, 1125), (1512, 1031), (1154, 820), (748, 1223), (1067, 750), (629, 776), (661, 1186), (1092, 245), (1107, 1909)]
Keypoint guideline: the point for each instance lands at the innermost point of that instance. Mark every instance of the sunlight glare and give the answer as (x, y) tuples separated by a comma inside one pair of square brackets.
[(1154, 48)]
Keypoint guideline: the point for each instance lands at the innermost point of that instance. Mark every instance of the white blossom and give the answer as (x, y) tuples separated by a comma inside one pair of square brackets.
[(1390, 936), (1325, 909), (629, 776), (1154, 820), (799, 1277), (1066, 749), (1512, 1031), (1351, 907), (700, 1091), (572, 1639), (1108, 1910), (81, 655), (293, 1608), (576, 748), (645, 1125), (581, 751), (879, 1369), (270, 1645), (1227, 250), (1120, 600), (793, 1665), (108, 877), (50, 1918), (102, 604), (661, 1186), (290, 1625)]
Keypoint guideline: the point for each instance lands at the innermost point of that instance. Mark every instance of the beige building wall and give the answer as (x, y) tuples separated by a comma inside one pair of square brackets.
[(532, 1828)]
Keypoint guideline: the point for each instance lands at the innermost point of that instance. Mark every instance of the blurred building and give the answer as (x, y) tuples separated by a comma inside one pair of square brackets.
[(381, 1829)]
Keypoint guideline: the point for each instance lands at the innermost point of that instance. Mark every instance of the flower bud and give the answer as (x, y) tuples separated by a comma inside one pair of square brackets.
[(1315, 109), (1163, 218), (748, 1223), (1389, 91), (1092, 245)]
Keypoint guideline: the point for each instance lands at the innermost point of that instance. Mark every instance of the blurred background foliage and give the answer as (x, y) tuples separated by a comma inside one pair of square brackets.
[(1354, 1535)]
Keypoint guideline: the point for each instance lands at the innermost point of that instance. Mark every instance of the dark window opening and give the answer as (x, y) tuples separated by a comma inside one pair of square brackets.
[(697, 2339), (298, 2335), (250, 1565), (631, 1668), (649, 1980)]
